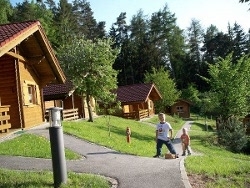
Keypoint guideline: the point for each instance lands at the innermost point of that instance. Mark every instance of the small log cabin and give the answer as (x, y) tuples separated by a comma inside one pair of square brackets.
[(137, 100), (27, 64), (181, 108), (64, 95)]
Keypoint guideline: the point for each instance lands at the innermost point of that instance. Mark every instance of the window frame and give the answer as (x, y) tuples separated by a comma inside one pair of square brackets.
[(30, 94), (179, 109)]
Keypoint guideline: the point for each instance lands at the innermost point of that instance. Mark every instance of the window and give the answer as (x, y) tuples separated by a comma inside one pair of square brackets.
[(126, 108), (150, 104), (32, 94), (179, 108)]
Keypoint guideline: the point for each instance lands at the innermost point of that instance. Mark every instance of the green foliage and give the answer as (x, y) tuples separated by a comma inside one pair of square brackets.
[(192, 94), (232, 134), (165, 85), (229, 85), (35, 11), (207, 104), (88, 65), (238, 42), (145, 42), (194, 64), (6, 11)]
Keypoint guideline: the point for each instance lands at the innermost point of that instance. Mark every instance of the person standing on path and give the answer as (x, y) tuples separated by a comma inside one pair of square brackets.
[(185, 141), (164, 134)]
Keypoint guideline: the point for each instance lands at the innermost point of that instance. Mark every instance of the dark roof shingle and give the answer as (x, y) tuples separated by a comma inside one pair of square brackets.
[(9, 32), (56, 89), (135, 92)]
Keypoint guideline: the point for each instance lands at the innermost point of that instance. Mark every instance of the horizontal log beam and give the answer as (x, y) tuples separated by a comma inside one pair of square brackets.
[(21, 58), (29, 61)]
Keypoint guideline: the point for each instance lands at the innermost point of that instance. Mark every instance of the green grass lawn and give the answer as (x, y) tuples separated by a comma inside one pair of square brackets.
[(142, 134), (220, 167), (44, 179), (29, 145)]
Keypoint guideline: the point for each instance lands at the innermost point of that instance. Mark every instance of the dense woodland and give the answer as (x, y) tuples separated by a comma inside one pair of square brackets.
[(146, 42), (205, 65)]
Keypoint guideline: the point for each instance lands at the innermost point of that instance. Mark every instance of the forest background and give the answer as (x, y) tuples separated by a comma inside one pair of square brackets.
[(146, 43), (204, 65)]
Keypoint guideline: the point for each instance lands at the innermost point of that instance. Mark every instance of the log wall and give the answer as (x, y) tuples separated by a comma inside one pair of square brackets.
[(8, 89), (32, 114)]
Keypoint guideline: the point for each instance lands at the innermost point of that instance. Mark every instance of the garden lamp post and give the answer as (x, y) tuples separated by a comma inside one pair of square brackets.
[(57, 147)]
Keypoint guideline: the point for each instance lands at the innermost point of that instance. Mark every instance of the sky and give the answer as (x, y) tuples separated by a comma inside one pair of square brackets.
[(216, 12)]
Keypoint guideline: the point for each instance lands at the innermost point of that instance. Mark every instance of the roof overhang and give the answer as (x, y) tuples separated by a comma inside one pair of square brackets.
[(31, 46)]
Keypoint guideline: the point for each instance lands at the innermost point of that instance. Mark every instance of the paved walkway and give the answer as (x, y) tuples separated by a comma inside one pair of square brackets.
[(124, 171)]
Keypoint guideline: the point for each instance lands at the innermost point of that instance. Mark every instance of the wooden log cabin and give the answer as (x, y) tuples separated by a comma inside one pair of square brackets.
[(27, 64), (64, 95), (181, 108), (137, 100)]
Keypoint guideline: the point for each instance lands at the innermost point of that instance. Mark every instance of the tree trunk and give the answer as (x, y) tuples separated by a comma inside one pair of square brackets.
[(89, 108)]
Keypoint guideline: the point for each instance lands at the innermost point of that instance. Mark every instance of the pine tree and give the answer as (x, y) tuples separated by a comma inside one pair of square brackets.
[(6, 11)]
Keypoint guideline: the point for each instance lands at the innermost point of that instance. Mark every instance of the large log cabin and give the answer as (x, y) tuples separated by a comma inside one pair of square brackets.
[(27, 64)]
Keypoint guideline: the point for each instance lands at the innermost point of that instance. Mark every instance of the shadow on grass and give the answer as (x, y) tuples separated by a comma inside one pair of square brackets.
[(204, 127), (210, 139)]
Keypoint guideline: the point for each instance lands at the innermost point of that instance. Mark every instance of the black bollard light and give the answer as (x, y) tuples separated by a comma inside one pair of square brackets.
[(57, 147)]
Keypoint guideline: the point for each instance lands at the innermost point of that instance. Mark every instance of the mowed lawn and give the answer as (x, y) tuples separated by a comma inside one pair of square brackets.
[(111, 132), (212, 164)]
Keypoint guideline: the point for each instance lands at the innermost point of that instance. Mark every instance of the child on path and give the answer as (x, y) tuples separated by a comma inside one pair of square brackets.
[(164, 134), (185, 141)]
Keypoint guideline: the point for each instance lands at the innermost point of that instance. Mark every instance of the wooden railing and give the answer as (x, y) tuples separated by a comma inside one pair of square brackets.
[(4, 119), (143, 114), (130, 115), (70, 114), (136, 115)]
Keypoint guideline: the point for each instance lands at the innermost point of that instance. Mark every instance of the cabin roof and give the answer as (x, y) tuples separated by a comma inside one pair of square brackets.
[(58, 91), (184, 100), (137, 93), (27, 42)]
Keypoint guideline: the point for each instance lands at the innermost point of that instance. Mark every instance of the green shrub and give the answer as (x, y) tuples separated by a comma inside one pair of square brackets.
[(232, 134)]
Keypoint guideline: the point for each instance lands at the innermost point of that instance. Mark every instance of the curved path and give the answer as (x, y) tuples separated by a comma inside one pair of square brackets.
[(129, 171)]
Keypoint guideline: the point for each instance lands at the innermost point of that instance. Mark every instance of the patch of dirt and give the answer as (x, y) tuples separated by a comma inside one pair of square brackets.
[(198, 181)]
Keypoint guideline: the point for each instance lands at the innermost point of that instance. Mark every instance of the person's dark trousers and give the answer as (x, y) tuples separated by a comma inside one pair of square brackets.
[(167, 143)]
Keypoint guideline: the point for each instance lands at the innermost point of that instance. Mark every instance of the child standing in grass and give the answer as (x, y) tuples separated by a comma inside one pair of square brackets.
[(185, 140), (164, 134)]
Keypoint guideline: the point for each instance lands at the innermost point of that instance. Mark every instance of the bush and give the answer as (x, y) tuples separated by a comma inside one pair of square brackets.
[(232, 134)]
